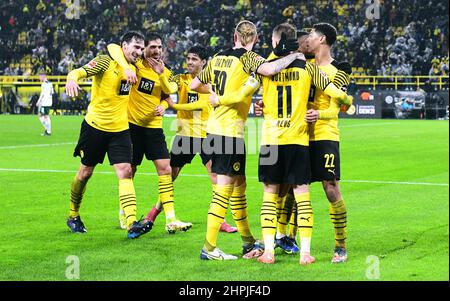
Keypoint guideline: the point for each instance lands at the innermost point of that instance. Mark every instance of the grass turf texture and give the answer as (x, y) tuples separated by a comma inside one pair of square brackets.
[(386, 166)]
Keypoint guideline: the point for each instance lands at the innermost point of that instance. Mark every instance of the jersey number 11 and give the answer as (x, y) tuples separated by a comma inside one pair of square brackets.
[(280, 90)]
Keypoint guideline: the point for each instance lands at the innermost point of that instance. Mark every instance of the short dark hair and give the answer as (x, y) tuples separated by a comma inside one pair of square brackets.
[(200, 51), (153, 36), (301, 33), (328, 30), (130, 35), (289, 30)]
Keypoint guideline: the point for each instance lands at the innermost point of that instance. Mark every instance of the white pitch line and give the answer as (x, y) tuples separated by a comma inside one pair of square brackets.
[(366, 124), (205, 176), (74, 171), (400, 183), (250, 130), (35, 145)]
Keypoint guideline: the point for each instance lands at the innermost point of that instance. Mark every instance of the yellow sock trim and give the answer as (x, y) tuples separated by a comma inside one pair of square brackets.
[(238, 204), (77, 190), (127, 197), (293, 221), (338, 216), (305, 217), (269, 217), (216, 214), (165, 189), (282, 221)]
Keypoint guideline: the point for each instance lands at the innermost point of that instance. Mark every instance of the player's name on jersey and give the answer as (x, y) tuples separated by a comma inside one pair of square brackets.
[(223, 63), (286, 76)]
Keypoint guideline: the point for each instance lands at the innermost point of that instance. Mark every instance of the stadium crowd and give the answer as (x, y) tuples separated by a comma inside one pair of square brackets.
[(57, 36)]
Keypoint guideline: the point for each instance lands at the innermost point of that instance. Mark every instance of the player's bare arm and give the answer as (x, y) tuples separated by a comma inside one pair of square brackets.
[(268, 69)]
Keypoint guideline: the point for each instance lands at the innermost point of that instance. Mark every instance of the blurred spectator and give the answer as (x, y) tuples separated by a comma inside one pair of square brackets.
[(58, 35), (407, 105)]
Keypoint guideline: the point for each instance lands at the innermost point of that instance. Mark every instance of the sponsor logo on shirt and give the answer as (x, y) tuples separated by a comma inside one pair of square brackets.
[(192, 97), (124, 88), (146, 86)]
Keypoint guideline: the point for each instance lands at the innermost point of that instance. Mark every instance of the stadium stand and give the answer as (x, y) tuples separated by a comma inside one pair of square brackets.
[(57, 36), (54, 35)]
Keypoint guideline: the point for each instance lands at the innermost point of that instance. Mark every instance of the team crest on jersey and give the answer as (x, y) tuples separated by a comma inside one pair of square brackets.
[(124, 88), (91, 64), (236, 166)]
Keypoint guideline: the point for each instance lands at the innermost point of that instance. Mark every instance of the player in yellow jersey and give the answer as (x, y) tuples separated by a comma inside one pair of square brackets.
[(284, 153), (287, 211), (324, 133), (105, 130), (227, 72), (191, 121), (193, 111), (145, 110)]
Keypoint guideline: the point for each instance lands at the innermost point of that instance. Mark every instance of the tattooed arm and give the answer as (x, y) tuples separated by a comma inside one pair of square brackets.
[(268, 69)]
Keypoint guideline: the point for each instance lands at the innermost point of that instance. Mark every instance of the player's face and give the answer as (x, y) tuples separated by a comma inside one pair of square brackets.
[(302, 44), (154, 49), (194, 63), (133, 50), (275, 40), (42, 77), (315, 39)]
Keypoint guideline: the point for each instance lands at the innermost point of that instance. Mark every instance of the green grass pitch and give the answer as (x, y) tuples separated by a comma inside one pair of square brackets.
[(394, 181)]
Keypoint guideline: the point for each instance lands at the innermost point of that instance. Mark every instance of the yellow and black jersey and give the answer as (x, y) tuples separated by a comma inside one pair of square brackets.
[(107, 110), (191, 123), (339, 74), (227, 72), (285, 97), (146, 95)]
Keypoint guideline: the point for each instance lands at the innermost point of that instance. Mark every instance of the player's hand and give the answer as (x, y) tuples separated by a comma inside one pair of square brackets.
[(214, 99), (301, 56), (210, 89), (259, 106), (347, 101), (344, 108), (131, 76), (156, 65), (72, 88), (160, 110), (350, 110), (252, 82), (285, 46), (311, 116)]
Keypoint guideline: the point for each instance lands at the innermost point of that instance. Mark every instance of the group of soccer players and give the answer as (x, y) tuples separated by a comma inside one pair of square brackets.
[(301, 100)]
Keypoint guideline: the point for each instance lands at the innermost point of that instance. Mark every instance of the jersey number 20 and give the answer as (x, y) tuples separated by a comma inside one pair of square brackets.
[(220, 77)]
